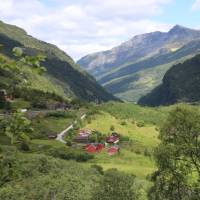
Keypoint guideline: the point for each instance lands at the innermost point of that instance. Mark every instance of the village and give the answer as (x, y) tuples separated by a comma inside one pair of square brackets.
[(87, 139), (111, 143)]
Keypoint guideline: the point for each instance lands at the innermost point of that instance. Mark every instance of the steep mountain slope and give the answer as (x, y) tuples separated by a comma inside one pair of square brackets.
[(180, 84), (61, 69), (131, 70)]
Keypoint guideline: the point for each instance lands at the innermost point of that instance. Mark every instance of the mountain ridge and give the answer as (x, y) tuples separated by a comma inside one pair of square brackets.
[(140, 49)]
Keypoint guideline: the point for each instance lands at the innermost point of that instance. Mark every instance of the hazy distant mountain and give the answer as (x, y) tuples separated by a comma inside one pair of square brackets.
[(137, 66), (62, 72), (180, 84)]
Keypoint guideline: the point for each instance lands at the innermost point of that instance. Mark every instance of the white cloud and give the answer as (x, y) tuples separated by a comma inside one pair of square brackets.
[(84, 26), (196, 5)]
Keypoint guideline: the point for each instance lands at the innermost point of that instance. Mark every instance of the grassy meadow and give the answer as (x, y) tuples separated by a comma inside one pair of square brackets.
[(140, 125), (131, 158)]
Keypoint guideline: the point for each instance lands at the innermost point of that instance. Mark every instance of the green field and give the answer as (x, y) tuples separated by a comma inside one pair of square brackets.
[(131, 158)]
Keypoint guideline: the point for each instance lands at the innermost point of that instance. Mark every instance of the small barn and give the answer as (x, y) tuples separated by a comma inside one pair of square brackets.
[(52, 136), (81, 139), (112, 139), (83, 136), (99, 147), (94, 148), (113, 150), (90, 148)]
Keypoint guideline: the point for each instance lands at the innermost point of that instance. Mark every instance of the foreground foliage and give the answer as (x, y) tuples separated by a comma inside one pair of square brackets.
[(178, 157)]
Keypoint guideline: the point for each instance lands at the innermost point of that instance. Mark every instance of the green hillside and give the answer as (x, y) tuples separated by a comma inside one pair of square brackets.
[(132, 81), (180, 84), (61, 69)]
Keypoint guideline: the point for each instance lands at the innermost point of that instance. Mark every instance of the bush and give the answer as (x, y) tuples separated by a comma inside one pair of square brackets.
[(96, 137), (19, 104), (147, 152), (24, 146), (116, 185), (70, 154), (98, 168), (60, 114), (124, 138), (112, 128), (123, 123), (140, 123)]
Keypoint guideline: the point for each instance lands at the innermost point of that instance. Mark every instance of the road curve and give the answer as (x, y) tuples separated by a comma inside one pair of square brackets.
[(61, 135)]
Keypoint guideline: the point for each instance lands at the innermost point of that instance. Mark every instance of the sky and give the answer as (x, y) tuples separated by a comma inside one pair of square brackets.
[(81, 27)]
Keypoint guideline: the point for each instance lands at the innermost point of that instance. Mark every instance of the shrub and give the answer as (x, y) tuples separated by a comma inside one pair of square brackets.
[(116, 185), (123, 123), (137, 151), (147, 152), (70, 154), (140, 123), (60, 114), (24, 146), (96, 137), (112, 128), (98, 168), (124, 138)]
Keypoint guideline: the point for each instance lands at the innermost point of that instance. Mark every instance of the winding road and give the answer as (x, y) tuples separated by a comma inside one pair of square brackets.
[(61, 135)]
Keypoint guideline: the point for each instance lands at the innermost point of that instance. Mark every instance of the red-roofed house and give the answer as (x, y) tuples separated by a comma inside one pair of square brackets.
[(113, 150), (94, 148), (99, 147), (90, 148), (112, 139), (82, 137)]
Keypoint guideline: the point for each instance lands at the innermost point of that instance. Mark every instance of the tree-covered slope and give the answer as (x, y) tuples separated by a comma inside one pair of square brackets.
[(180, 84), (136, 67), (61, 69)]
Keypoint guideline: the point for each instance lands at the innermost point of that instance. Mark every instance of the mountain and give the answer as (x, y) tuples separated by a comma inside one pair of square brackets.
[(62, 72), (181, 83), (137, 66)]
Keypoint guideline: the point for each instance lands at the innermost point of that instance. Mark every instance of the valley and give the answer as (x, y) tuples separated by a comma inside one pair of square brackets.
[(134, 68), (130, 133)]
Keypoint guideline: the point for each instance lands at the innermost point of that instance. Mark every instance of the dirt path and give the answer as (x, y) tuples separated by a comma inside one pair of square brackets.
[(64, 132)]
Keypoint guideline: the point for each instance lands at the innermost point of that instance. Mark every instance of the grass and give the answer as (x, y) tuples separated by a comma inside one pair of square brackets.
[(131, 158), (132, 111), (53, 143), (49, 125)]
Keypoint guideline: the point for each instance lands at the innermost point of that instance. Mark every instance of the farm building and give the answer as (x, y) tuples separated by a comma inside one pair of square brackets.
[(83, 132), (99, 147), (113, 138), (90, 148), (83, 136), (113, 150), (94, 148), (52, 136), (82, 139)]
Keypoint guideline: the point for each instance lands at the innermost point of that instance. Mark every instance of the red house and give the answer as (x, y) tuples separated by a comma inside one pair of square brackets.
[(99, 147), (113, 150), (90, 148)]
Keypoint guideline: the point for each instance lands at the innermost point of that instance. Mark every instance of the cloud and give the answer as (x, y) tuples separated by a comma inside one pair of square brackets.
[(196, 5), (84, 26)]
